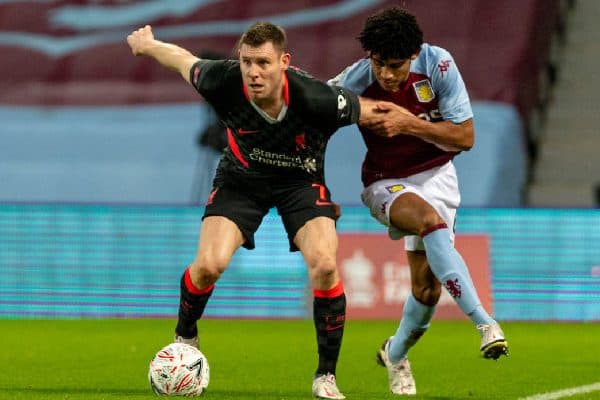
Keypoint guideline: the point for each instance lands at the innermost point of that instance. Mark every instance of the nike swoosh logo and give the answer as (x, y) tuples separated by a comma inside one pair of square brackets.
[(333, 327), (245, 132)]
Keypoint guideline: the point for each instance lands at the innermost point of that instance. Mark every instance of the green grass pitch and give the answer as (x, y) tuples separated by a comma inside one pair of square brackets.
[(108, 359)]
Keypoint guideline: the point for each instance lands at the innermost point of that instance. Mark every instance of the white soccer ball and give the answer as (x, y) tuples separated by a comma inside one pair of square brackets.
[(179, 370)]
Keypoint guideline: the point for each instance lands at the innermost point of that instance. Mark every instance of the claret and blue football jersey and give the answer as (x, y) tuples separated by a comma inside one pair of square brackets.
[(434, 91)]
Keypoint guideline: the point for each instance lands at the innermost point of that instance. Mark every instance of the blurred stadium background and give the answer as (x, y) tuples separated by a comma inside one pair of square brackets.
[(105, 159)]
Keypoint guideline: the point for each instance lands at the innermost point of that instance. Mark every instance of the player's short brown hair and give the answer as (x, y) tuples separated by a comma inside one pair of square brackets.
[(260, 33)]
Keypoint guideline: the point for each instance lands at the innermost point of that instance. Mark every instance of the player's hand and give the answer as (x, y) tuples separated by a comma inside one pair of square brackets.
[(386, 106), (140, 40), (387, 119)]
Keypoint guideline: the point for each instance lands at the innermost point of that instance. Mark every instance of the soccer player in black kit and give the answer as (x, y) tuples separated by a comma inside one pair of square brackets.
[(278, 121)]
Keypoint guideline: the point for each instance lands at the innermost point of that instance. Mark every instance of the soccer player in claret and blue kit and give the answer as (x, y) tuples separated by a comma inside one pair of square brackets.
[(410, 182), (278, 122)]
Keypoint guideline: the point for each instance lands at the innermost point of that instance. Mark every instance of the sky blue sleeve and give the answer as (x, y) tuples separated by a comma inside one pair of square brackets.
[(448, 84), (357, 77)]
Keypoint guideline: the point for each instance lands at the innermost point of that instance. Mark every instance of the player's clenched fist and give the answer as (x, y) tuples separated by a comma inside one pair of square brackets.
[(139, 40)]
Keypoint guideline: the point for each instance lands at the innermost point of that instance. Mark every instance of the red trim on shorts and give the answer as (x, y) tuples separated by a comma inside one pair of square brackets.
[(335, 291), (235, 149), (432, 229), (191, 287)]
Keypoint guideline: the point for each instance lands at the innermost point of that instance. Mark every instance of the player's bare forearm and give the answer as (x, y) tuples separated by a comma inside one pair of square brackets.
[(368, 112), (143, 43), (446, 135), (173, 57)]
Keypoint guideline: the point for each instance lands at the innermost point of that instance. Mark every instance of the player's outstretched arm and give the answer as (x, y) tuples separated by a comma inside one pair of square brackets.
[(143, 43)]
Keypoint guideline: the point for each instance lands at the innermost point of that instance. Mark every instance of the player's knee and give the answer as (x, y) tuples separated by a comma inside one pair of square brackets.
[(207, 270), (428, 294), (323, 267)]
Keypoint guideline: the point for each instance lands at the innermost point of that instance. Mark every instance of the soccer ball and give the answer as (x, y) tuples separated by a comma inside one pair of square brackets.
[(179, 370)]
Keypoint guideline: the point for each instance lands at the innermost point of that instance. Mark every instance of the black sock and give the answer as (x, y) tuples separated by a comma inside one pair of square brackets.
[(329, 314), (191, 306)]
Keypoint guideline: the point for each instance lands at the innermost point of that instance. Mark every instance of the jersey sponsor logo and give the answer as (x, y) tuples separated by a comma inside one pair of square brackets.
[(283, 160), (395, 188), (245, 132), (432, 115), (424, 91), (444, 66)]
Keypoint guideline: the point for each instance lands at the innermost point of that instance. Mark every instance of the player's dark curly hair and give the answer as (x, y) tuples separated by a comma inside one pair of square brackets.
[(391, 33)]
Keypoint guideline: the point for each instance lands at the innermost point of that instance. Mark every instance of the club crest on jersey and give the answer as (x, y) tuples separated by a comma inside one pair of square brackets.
[(424, 91), (394, 188)]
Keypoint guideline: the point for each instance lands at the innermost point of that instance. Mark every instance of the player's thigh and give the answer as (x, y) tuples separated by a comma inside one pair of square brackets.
[(244, 209), (411, 212), (398, 204), (219, 238), (306, 202), (435, 189), (317, 239)]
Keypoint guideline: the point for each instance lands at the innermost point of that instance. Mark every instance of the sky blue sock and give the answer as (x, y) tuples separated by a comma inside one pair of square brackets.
[(415, 321), (450, 269)]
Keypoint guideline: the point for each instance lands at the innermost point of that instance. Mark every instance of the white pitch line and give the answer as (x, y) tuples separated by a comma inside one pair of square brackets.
[(564, 393)]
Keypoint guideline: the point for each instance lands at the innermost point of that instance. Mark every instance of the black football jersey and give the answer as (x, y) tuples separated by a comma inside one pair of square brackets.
[(293, 147)]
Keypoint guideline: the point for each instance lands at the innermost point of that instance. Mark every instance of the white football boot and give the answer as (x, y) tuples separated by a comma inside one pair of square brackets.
[(493, 343), (324, 387), (191, 341), (399, 373)]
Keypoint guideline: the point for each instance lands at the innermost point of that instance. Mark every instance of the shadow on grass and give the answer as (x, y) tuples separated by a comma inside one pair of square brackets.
[(305, 395), (100, 393)]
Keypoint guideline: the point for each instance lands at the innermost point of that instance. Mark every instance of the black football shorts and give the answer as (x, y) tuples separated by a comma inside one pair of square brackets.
[(247, 202)]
